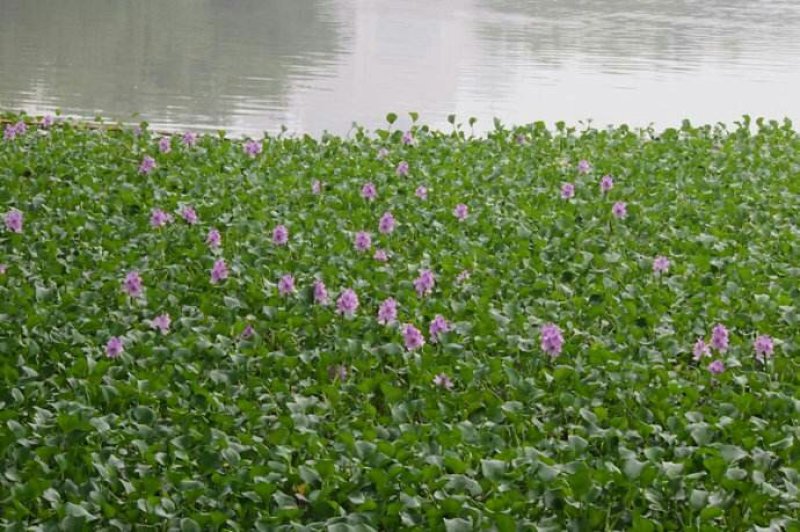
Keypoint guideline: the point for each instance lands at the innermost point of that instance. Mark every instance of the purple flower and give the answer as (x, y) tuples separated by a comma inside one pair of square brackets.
[(47, 121), (316, 187), (620, 209), (402, 168), (552, 340), (280, 235), (463, 276), (10, 132), (369, 192), (248, 332), (362, 241), (114, 347), (584, 166), (3, 268), (408, 138), (189, 215), (382, 154), (161, 323), (214, 239), (147, 165), (438, 326), (606, 183), (219, 272), (567, 190), (412, 337), (137, 131), (13, 221), (347, 304), (189, 139), (159, 218), (719, 338), (286, 285), (320, 293), (716, 367), (421, 192), (21, 127), (337, 372), (520, 139), (165, 145), (387, 312), (660, 264), (132, 284), (252, 147), (461, 211), (380, 255), (443, 381), (424, 283), (764, 347), (386, 223), (700, 350)]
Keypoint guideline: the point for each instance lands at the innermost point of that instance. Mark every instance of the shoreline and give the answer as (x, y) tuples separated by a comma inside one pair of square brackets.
[(9, 117)]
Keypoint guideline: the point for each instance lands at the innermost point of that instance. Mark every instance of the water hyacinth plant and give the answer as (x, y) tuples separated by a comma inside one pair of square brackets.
[(503, 360)]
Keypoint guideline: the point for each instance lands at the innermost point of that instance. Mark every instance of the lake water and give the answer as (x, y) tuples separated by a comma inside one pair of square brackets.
[(312, 65)]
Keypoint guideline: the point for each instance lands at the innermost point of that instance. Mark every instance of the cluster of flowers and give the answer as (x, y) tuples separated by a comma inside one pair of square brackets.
[(347, 304), (619, 209), (763, 346)]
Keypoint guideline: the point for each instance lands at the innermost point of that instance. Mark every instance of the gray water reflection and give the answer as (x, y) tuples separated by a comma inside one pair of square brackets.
[(252, 65)]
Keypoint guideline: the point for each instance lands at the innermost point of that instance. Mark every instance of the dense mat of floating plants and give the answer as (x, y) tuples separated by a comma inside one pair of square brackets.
[(422, 329)]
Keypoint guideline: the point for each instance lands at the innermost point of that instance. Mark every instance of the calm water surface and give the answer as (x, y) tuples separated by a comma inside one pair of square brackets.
[(313, 65)]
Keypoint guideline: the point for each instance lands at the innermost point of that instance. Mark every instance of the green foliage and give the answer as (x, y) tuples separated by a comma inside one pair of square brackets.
[(203, 429)]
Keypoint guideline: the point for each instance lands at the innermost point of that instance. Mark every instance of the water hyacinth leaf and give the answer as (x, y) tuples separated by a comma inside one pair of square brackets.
[(144, 415), (698, 499), (189, 525), (633, 468), (409, 501), (51, 496), (732, 453), (577, 443), (309, 475), (284, 501), (546, 472), (701, 434), (100, 424), (493, 469), (458, 524), (671, 469), (736, 473), (641, 524), (76, 510)]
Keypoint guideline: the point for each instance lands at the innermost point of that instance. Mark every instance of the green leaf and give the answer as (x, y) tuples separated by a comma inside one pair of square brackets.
[(100, 424), (74, 510), (546, 472), (144, 415), (633, 468), (458, 525), (732, 453), (736, 473), (698, 499), (701, 434), (640, 524), (493, 469), (672, 470), (189, 525)]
